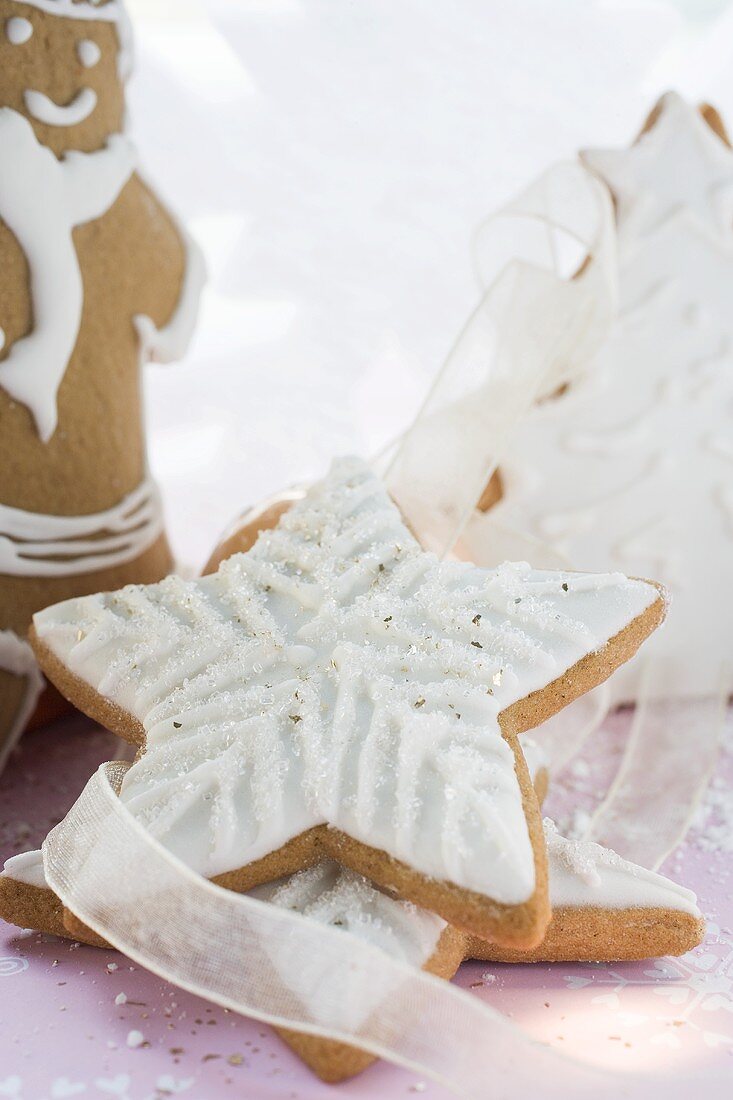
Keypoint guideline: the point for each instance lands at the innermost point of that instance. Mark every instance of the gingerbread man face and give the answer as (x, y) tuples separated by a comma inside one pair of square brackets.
[(63, 66)]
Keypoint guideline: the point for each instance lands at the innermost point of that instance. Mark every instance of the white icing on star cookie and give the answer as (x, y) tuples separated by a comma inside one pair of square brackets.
[(632, 467), (334, 895), (581, 875), (589, 875), (27, 868), (339, 674)]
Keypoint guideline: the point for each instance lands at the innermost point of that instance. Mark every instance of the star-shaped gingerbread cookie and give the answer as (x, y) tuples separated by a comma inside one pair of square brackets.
[(338, 692), (604, 908)]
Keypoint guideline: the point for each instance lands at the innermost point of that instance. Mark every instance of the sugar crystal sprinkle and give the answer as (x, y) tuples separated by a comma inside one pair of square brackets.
[(210, 668)]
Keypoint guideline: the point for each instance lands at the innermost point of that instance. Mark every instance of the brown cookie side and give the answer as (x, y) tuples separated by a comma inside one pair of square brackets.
[(333, 1061), (83, 697), (589, 671), (29, 906), (592, 934)]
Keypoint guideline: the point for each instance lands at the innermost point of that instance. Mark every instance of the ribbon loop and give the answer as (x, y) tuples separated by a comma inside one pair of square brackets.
[(546, 309), (667, 763)]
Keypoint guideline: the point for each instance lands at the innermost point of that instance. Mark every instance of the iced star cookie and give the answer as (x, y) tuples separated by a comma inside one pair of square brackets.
[(630, 467), (604, 909), (338, 692), (241, 536), (96, 278)]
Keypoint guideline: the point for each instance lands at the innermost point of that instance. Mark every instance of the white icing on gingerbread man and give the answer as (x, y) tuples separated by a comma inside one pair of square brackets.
[(42, 199)]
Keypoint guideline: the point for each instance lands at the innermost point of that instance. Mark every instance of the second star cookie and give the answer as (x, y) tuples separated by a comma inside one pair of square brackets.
[(604, 909)]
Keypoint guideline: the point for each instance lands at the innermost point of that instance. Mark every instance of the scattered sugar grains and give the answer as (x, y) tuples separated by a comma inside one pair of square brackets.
[(135, 1038), (121, 999)]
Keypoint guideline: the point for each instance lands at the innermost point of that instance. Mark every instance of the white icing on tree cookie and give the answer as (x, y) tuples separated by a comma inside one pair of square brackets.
[(632, 467), (41, 200), (679, 164), (337, 673)]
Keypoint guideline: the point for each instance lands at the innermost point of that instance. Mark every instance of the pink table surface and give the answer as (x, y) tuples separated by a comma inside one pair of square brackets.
[(62, 1035)]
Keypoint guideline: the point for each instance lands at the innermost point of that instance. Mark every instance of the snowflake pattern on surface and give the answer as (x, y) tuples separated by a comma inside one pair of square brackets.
[(337, 673)]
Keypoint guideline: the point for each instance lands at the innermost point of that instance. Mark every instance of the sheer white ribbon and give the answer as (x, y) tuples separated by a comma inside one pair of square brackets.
[(549, 304), (667, 763), (279, 967), (563, 736)]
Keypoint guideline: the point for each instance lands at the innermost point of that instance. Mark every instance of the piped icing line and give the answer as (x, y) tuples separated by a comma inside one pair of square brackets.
[(46, 110), (36, 545), (42, 199), (170, 341), (16, 657), (338, 673)]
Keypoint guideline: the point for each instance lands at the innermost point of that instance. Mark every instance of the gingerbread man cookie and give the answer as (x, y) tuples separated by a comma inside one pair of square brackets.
[(95, 278)]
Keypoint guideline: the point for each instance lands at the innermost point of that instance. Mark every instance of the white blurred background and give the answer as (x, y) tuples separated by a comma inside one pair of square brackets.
[(333, 158)]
